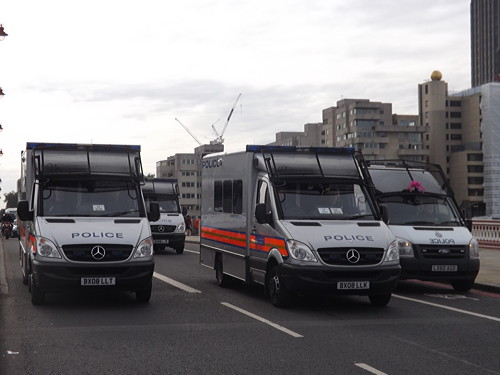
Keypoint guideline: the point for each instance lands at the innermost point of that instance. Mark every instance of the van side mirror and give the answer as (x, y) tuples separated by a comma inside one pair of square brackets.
[(384, 213), (468, 224), (154, 211), (184, 211), (261, 215), (23, 211)]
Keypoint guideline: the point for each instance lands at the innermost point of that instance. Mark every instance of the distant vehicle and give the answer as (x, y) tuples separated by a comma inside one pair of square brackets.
[(298, 220), (434, 241), (169, 229), (84, 220)]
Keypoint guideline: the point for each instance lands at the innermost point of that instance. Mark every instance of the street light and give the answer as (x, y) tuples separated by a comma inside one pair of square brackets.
[(3, 34)]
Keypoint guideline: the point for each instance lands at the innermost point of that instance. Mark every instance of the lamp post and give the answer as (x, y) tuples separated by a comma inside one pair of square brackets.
[(3, 34)]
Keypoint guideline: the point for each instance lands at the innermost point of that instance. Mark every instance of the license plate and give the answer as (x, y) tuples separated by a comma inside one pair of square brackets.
[(353, 285), (97, 281), (445, 268), (161, 241)]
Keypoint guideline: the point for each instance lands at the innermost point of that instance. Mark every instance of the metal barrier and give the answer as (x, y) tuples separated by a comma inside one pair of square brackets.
[(487, 233)]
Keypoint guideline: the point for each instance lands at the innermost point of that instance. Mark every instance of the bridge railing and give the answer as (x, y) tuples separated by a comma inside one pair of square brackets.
[(487, 232)]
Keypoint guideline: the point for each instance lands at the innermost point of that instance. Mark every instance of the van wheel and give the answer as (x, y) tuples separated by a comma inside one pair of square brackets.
[(179, 250), (463, 285), (144, 295), (222, 280), (380, 299), (37, 296), (278, 294)]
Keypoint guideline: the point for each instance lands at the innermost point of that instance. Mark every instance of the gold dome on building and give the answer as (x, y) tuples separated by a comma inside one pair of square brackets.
[(436, 75)]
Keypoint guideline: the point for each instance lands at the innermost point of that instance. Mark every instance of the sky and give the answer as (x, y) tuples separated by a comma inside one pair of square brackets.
[(121, 71)]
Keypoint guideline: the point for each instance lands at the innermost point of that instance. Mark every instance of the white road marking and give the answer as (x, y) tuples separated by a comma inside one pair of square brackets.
[(274, 325), (177, 284), (449, 308), (191, 251), (369, 368)]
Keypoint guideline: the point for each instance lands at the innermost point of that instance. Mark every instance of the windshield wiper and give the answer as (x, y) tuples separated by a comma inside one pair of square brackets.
[(418, 223), (358, 216), (121, 213)]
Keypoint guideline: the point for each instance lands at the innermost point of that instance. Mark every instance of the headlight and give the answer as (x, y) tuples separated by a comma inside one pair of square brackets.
[(473, 248), (46, 248), (181, 228), (392, 252), (145, 248), (405, 248), (300, 251)]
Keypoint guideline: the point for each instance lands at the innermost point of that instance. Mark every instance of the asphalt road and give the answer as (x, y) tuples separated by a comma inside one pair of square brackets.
[(192, 326)]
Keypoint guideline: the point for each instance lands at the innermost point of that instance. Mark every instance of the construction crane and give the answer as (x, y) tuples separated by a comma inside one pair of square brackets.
[(191, 134), (219, 140)]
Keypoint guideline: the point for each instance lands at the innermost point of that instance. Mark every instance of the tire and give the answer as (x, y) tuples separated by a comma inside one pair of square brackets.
[(179, 250), (144, 295), (380, 299), (278, 294), (222, 280), (37, 296), (463, 285)]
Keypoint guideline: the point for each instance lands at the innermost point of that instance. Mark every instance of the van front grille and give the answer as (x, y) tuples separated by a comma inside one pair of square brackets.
[(97, 252)]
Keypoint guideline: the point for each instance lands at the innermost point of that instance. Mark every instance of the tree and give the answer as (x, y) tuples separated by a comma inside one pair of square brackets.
[(10, 199)]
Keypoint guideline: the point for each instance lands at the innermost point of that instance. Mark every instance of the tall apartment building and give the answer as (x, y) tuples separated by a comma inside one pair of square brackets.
[(372, 128), (485, 41), (313, 135), (463, 139), (186, 168)]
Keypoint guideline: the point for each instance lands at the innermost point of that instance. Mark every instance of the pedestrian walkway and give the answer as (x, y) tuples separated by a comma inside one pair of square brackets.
[(489, 271)]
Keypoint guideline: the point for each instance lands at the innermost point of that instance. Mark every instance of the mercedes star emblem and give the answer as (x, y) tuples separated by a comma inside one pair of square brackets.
[(98, 252), (353, 256), (161, 228)]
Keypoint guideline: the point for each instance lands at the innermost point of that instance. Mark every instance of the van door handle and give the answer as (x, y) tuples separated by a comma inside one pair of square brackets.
[(254, 229)]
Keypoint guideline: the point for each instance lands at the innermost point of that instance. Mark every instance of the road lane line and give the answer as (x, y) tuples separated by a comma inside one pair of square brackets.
[(449, 308), (369, 368), (191, 251), (177, 284), (274, 325)]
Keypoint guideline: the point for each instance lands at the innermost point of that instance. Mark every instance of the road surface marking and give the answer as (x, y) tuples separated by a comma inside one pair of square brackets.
[(177, 284), (449, 308), (274, 325), (366, 367), (192, 251)]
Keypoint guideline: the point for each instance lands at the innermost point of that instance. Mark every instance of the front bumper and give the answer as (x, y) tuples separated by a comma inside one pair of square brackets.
[(323, 280), (130, 276), (421, 269), (172, 240)]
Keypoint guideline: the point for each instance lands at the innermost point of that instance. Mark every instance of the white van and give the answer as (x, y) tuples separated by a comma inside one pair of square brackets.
[(435, 243), (296, 220), (84, 223), (170, 229)]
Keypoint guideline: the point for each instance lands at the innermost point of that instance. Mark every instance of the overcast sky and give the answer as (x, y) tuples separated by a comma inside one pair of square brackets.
[(120, 71)]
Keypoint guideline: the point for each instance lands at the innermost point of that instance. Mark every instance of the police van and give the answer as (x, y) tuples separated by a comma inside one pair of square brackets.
[(84, 224), (170, 229), (297, 220), (434, 240)]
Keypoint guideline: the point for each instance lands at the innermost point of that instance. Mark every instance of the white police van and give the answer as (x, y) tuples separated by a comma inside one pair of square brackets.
[(84, 223), (170, 229), (434, 240), (296, 220)]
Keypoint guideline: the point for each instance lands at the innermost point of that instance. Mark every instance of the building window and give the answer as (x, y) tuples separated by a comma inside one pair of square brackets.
[(475, 192), (455, 125), (455, 114), (475, 180), (474, 157), (475, 169), (456, 137)]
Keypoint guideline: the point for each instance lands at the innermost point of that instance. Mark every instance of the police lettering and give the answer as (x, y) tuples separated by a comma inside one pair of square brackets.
[(97, 235), (212, 163), (348, 237), (442, 241)]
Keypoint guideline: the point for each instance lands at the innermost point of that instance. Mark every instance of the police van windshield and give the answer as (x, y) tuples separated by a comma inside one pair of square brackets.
[(323, 201), (168, 203), (90, 198), (416, 209)]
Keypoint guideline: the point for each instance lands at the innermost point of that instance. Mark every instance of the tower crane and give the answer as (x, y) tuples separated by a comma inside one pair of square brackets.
[(219, 139), (191, 134)]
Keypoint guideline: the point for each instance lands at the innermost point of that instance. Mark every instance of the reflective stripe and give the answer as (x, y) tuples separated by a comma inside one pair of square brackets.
[(258, 242)]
